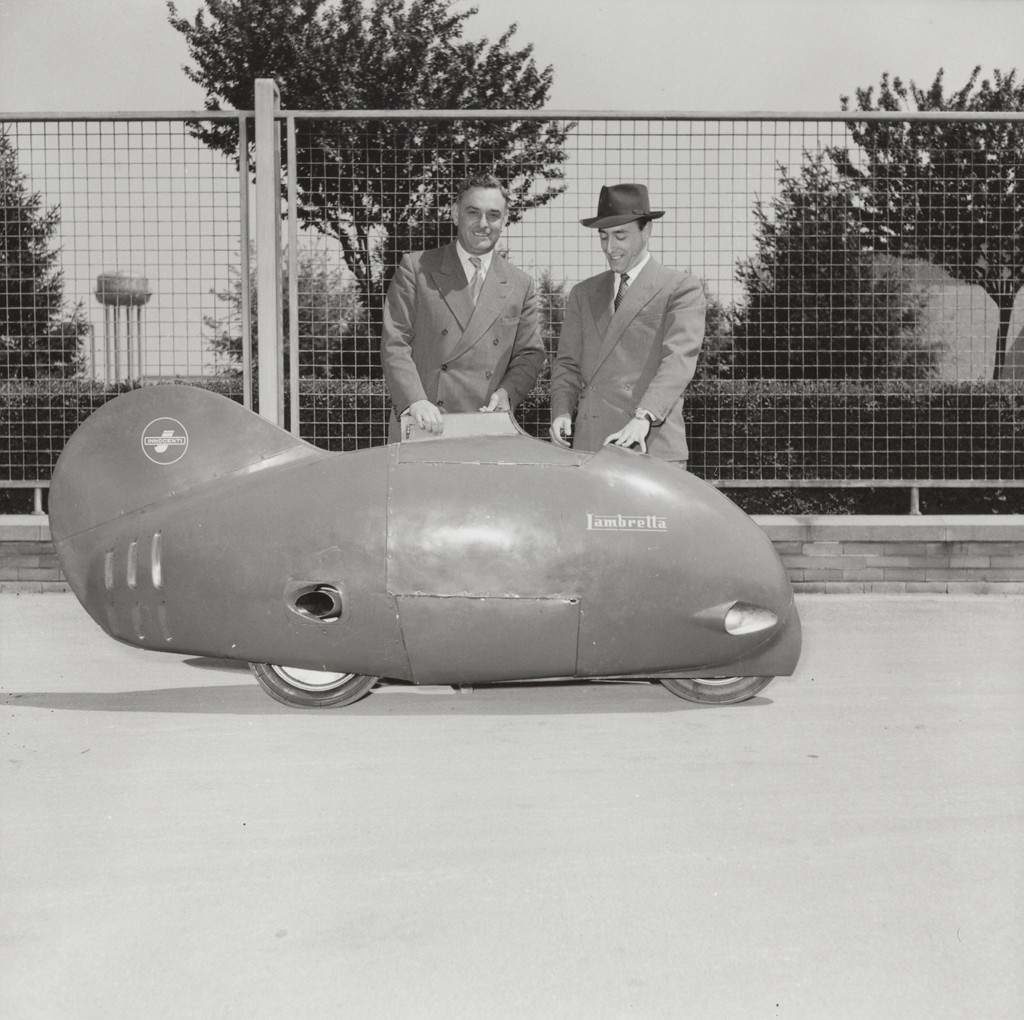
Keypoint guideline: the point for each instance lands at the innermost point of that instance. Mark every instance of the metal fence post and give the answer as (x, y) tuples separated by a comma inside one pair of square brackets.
[(268, 251), (244, 258), (293, 285)]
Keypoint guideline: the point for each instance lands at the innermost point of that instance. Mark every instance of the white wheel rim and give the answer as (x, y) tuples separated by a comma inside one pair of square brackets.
[(719, 681), (315, 680)]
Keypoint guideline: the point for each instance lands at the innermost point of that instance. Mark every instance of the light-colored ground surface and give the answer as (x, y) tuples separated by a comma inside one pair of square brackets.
[(850, 844)]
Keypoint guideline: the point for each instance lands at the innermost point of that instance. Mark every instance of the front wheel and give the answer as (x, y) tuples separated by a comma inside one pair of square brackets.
[(725, 690), (311, 688)]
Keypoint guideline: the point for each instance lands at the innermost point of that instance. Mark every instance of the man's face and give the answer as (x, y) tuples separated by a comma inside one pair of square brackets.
[(479, 217), (624, 246)]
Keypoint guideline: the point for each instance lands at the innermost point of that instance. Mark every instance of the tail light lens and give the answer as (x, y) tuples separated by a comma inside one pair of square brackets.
[(745, 618)]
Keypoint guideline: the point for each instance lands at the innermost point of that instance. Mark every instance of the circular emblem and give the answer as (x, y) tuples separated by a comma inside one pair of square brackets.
[(164, 440)]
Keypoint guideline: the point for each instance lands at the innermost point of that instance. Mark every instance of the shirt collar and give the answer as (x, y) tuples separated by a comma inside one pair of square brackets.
[(635, 271), (467, 266)]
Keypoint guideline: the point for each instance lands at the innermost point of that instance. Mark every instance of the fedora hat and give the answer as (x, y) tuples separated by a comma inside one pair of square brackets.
[(621, 203)]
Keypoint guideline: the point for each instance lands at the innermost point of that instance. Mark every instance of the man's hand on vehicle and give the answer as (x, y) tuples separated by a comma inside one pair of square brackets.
[(498, 402), (561, 430), (426, 416), (633, 433)]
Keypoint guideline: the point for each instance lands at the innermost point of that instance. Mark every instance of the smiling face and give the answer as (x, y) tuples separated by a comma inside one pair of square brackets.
[(624, 246), (479, 217)]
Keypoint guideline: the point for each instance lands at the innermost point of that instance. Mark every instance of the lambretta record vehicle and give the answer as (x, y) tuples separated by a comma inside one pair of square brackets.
[(185, 523)]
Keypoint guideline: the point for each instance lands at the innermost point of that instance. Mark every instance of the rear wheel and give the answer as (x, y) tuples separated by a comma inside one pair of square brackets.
[(725, 690), (311, 688)]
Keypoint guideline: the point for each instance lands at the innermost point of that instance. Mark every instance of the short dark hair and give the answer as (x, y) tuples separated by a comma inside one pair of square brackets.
[(481, 180)]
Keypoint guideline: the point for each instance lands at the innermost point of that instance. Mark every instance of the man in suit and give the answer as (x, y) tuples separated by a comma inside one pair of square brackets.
[(461, 328), (629, 342)]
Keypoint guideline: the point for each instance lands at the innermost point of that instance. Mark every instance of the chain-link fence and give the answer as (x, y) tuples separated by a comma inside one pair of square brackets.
[(122, 247), (861, 274)]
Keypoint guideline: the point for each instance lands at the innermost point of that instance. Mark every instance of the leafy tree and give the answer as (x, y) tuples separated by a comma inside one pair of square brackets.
[(332, 322), (38, 336), (551, 297), (716, 353), (551, 310), (814, 304), (949, 191), (380, 187)]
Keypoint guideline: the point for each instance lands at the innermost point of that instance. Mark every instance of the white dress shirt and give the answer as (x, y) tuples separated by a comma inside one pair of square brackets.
[(468, 268)]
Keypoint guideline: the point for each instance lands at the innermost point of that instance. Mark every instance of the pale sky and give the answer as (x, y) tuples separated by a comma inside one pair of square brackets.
[(717, 55)]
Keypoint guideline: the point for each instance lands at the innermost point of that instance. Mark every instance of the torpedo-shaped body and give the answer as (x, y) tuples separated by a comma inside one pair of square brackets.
[(188, 524)]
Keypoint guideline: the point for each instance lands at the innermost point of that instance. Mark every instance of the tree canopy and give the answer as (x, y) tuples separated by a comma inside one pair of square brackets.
[(381, 187), (38, 336), (814, 304), (948, 191)]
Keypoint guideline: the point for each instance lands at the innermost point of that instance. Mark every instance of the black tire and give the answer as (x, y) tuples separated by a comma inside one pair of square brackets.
[(726, 690), (304, 688)]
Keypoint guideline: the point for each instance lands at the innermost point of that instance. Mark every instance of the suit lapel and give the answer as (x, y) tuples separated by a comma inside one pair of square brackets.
[(638, 294), (601, 302), (453, 287), (493, 298)]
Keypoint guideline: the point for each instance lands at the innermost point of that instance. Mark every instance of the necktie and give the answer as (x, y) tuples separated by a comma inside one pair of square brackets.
[(621, 292), (477, 282)]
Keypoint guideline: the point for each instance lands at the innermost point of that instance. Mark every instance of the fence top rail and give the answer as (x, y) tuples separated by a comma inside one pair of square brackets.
[(935, 115), (150, 115), (683, 115)]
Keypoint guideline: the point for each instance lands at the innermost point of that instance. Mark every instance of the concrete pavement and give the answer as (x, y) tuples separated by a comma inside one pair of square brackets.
[(848, 844)]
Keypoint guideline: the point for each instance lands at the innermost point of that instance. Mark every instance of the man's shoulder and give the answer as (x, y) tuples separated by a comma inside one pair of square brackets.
[(429, 258), (669, 281), (668, 275), (514, 273), (595, 282)]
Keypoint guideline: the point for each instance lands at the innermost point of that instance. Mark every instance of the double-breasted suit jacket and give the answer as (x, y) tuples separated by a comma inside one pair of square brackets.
[(437, 346), (643, 356)]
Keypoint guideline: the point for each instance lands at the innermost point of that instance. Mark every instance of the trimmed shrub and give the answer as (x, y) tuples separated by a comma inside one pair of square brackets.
[(738, 430)]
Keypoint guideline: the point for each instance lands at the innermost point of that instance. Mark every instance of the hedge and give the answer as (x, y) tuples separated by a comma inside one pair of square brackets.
[(738, 430)]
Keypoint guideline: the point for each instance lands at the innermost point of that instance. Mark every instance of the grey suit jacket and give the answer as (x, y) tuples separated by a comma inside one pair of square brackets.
[(437, 346), (642, 356)]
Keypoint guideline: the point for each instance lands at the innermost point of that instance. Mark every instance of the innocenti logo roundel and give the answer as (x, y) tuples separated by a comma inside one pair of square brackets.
[(164, 440)]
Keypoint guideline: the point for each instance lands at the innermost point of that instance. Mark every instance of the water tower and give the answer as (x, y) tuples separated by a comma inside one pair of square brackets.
[(117, 291)]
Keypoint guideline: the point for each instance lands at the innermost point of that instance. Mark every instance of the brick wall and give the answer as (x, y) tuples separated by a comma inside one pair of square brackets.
[(969, 554), (28, 562), (956, 554)]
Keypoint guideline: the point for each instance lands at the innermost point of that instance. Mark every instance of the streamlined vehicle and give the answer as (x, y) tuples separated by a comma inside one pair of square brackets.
[(185, 523)]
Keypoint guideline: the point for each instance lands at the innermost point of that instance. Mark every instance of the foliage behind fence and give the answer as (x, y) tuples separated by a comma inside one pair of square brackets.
[(859, 431)]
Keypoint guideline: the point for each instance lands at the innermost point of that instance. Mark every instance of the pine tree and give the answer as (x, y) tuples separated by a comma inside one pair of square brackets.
[(37, 336)]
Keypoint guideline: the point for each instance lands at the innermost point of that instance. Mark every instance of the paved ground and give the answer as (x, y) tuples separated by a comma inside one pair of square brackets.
[(849, 844)]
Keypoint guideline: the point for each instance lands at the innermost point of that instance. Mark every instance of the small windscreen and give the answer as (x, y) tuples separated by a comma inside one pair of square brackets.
[(459, 426)]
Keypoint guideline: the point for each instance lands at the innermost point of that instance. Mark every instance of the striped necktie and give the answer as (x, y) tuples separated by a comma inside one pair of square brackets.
[(621, 292), (476, 284)]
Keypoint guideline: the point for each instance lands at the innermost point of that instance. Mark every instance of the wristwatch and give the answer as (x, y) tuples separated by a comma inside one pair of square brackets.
[(642, 414)]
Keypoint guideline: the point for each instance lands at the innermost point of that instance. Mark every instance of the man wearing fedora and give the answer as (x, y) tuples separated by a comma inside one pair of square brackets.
[(461, 327), (629, 342)]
